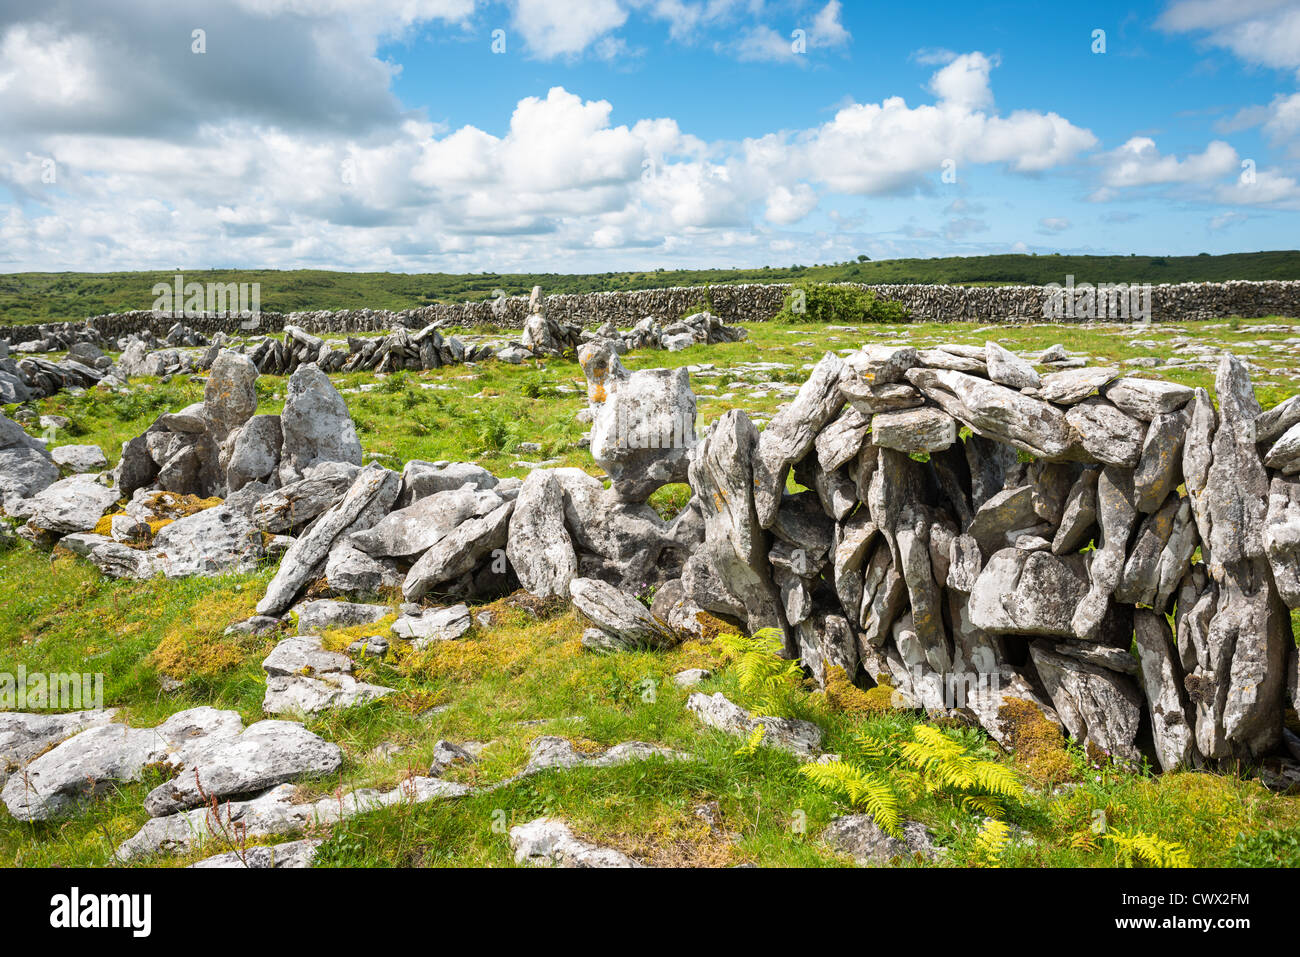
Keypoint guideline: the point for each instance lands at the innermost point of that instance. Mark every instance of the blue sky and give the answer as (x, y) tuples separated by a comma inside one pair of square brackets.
[(589, 135)]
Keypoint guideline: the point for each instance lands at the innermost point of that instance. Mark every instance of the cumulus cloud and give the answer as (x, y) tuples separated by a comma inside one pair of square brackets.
[(566, 27), (1260, 32), (288, 148), (1139, 163)]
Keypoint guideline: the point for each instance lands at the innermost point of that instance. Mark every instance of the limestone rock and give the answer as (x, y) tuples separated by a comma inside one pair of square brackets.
[(103, 756), (459, 552), (546, 842), (790, 434), (996, 412), (913, 430), (418, 527), (316, 425), (1007, 368), (1070, 386), (266, 754), (317, 616), (23, 736), (1146, 399), (626, 622), (80, 458), (307, 556), (643, 433), (1106, 433), (71, 505), (1028, 593), (433, 624), (302, 678), (860, 837), (1172, 721), (1096, 705), (538, 545), (800, 738)]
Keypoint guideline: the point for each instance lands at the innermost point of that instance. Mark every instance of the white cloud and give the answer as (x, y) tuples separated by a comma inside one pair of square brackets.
[(566, 27), (1139, 163), (1260, 32), (786, 205), (165, 159), (965, 82), (1054, 224), (874, 148)]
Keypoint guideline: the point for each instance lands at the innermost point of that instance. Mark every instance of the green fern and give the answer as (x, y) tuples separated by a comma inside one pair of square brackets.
[(864, 789), (993, 839), (946, 765), (766, 680), (754, 740), (1136, 847)]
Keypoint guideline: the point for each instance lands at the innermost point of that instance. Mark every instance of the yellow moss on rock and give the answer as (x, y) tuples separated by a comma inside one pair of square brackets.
[(1037, 744), (844, 696)]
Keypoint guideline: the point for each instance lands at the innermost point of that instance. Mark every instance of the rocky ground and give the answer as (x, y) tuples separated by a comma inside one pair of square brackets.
[(400, 727)]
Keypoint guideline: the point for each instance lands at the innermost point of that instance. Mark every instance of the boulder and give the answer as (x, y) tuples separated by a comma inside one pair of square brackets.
[(643, 432), (422, 479), (23, 736), (1107, 434), (1028, 593), (305, 559), (71, 505), (1098, 707), (80, 458), (264, 755), (1007, 368), (315, 424), (790, 434), (418, 527), (998, 413), (625, 622), (459, 552), (538, 545), (229, 395), (98, 759), (800, 738), (254, 452), (913, 431)]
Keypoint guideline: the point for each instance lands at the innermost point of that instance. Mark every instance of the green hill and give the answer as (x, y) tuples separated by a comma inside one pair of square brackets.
[(49, 297)]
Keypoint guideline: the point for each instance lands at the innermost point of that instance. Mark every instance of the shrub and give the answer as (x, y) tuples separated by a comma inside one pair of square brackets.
[(827, 302)]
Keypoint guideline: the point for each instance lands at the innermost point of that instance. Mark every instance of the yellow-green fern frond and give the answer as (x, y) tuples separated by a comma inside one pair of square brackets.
[(1137, 847), (754, 740), (863, 789), (869, 745), (993, 839)]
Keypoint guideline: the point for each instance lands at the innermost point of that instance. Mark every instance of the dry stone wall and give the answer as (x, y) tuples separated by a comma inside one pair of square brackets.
[(731, 303)]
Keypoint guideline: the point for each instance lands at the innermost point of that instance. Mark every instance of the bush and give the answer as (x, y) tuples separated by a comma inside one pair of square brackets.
[(826, 302)]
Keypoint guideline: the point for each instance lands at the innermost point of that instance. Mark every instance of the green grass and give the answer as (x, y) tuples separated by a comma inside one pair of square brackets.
[(46, 297), (57, 614)]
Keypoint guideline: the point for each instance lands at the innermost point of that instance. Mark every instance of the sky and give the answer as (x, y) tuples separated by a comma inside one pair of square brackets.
[(599, 135)]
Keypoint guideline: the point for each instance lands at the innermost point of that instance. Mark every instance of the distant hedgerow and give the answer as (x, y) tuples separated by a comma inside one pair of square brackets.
[(809, 301)]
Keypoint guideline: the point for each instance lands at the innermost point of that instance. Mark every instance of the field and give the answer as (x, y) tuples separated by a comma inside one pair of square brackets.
[(527, 675), (58, 297)]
